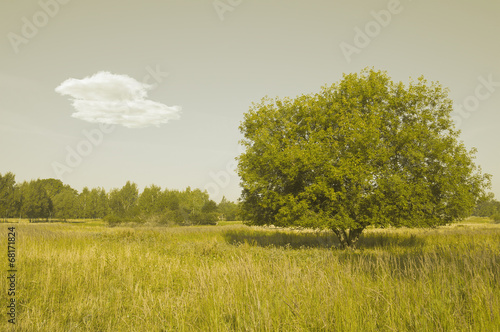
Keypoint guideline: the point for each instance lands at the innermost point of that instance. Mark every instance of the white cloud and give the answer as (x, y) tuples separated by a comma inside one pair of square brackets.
[(116, 99)]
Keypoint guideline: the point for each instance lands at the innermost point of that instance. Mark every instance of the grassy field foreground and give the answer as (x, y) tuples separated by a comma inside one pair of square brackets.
[(88, 277)]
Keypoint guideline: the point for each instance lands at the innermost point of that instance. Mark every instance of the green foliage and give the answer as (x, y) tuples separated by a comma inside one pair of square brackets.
[(65, 204), (113, 219), (487, 206), (36, 202), (51, 199), (366, 151), (9, 198), (123, 202), (173, 217), (98, 202), (52, 186), (229, 210), (93, 203), (151, 200), (192, 201), (209, 207), (203, 218)]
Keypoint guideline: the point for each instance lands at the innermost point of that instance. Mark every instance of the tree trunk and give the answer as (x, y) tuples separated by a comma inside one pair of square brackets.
[(354, 235), (348, 237)]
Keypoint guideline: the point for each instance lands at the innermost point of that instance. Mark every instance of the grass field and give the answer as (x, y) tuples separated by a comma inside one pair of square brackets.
[(89, 277)]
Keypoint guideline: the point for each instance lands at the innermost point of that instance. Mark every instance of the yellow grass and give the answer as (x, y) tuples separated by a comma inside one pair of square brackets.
[(89, 277)]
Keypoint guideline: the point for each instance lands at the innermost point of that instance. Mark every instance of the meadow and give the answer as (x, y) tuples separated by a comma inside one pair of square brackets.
[(86, 276)]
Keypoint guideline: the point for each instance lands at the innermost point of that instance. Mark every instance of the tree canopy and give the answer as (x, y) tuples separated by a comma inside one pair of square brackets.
[(366, 151)]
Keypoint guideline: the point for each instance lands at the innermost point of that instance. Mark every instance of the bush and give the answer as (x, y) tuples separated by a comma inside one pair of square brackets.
[(199, 218), (112, 219), (496, 217), (211, 218), (172, 217)]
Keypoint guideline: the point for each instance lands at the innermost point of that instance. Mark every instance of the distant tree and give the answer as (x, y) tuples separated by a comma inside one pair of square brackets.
[(84, 203), (36, 203), (363, 152), (172, 199), (228, 209), (16, 203), (152, 201), (193, 200), (197, 206), (66, 204), (53, 186), (8, 198), (123, 202), (93, 203), (487, 206), (209, 207), (97, 203)]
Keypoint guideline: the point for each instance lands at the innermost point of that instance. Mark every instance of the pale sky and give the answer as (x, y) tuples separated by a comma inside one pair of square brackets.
[(183, 73)]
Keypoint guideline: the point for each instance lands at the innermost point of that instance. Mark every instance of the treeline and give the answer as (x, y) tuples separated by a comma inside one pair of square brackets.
[(488, 207), (48, 199)]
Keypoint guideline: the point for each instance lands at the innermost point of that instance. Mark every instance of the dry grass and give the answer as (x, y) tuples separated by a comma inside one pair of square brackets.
[(87, 277)]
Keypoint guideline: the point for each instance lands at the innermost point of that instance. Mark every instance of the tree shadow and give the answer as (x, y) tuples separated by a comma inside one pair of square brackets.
[(277, 238), (390, 239), (323, 239)]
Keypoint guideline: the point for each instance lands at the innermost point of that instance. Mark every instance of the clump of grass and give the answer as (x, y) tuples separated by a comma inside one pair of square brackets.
[(236, 278)]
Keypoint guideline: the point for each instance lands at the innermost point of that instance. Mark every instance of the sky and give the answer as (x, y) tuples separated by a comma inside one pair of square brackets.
[(97, 93)]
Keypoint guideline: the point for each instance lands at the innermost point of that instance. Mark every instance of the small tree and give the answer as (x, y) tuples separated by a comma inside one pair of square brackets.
[(366, 151), (8, 202)]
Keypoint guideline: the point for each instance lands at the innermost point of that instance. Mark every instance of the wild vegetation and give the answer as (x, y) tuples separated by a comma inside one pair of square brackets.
[(49, 199), (90, 277), (367, 163), (488, 207)]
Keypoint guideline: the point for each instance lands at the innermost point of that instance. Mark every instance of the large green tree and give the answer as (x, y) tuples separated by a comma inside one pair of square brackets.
[(365, 151)]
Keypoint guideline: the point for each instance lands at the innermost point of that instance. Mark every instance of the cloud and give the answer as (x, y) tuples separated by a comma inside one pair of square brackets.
[(116, 99)]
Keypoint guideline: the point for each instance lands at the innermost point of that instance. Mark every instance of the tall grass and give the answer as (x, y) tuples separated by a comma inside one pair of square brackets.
[(236, 278)]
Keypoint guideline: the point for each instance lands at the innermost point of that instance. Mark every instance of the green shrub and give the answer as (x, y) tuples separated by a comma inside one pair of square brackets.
[(115, 220), (172, 217), (112, 219), (200, 218), (496, 217)]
